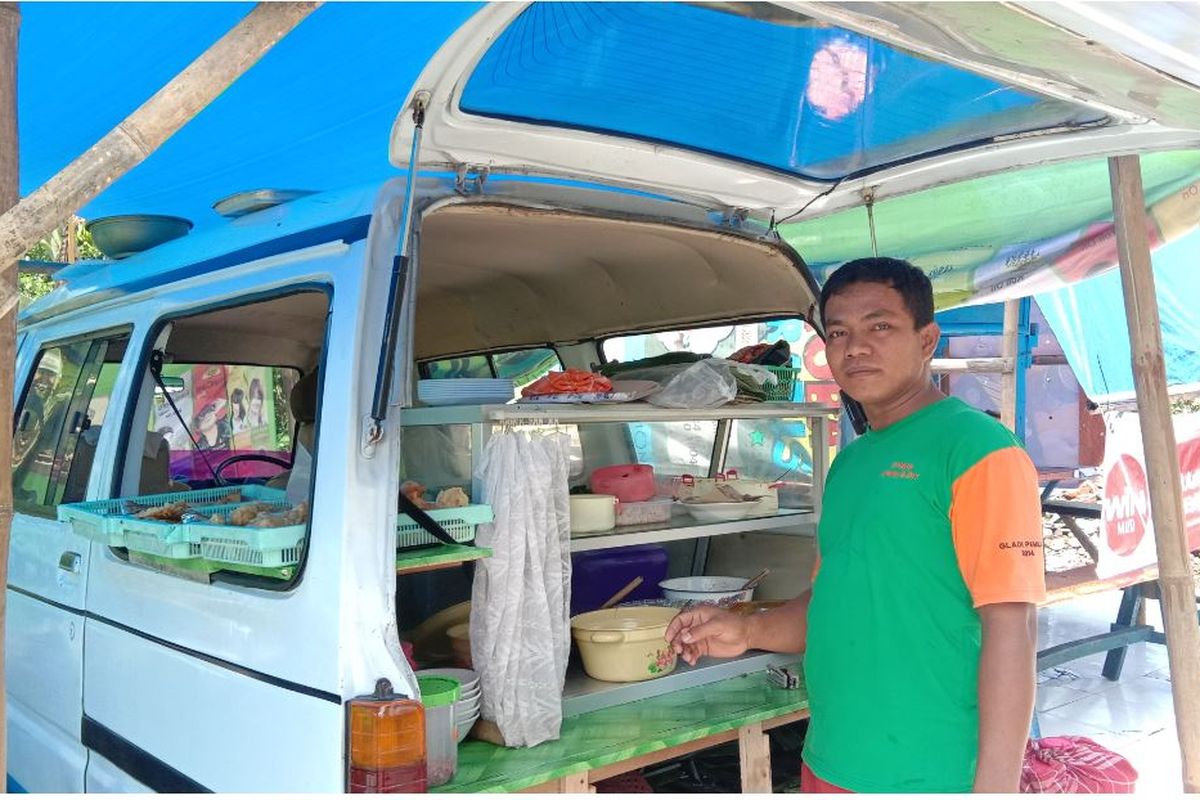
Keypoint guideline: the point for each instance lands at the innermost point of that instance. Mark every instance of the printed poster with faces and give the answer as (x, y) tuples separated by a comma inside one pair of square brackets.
[(1126, 527)]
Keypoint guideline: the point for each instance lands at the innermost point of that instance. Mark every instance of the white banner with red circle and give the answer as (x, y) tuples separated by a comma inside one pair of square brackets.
[(1126, 528)]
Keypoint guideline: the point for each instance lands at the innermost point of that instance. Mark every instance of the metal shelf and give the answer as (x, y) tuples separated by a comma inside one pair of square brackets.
[(582, 694), (614, 412), (684, 526)]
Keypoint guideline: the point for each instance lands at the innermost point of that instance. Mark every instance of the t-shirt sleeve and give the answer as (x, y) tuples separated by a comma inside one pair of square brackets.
[(996, 519)]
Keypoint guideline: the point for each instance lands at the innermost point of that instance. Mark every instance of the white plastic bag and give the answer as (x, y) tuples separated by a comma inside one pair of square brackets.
[(701, 385), (520, 602)]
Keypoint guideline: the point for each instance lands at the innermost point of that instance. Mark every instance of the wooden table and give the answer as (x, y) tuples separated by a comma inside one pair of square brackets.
[(611, 741)]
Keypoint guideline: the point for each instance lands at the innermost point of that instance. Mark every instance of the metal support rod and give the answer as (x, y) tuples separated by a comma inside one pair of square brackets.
[(1162, 464), (716, 465)]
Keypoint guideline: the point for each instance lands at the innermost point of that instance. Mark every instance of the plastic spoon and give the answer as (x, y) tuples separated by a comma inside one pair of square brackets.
[(620, 595)]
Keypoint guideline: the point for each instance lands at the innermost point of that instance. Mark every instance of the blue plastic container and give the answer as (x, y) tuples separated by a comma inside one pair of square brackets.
[(598, 574)]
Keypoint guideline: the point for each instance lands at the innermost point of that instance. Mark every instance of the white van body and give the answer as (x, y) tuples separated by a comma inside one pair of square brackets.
[(122, 678)]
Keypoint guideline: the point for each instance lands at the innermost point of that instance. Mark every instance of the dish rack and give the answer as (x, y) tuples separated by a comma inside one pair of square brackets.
[(204, 546)]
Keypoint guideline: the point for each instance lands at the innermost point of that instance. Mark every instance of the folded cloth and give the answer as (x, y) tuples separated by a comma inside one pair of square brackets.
[(1074, 765)]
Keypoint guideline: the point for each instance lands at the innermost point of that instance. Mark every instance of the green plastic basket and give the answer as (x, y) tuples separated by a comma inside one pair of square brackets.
[(460, 523), (783, 390)]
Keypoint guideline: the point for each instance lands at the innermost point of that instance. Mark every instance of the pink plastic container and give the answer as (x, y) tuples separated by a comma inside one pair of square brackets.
[(631, 483)]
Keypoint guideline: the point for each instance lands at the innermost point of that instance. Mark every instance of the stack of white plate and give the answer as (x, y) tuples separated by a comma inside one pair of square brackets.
[(466, 709), (464, 391)]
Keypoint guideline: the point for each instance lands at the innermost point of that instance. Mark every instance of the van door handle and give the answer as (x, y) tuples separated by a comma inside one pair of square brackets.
[(69, 561)]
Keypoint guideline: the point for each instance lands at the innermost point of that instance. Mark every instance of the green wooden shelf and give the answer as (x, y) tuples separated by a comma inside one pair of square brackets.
[(443, 555), (620, 733)]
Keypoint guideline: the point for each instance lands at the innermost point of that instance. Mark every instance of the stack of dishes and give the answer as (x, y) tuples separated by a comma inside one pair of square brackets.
[(464, 391), (466, 708)]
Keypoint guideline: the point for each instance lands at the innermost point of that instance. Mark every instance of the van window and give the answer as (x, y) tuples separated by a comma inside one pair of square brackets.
[(231, 403), (230, 410), (58, 422), (762, 449), (522, 366)]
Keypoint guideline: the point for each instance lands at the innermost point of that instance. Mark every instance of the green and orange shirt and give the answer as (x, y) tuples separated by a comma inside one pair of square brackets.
[(922, 523)]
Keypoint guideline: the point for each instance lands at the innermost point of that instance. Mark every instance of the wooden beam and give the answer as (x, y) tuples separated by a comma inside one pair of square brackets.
[(1008, 380), (1162, 463), (975, 365), (142, 132), (10, 23), (754, 753)]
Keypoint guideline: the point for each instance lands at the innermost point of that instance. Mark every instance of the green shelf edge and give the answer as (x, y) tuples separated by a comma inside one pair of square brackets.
[(610, 735), (442, 554)]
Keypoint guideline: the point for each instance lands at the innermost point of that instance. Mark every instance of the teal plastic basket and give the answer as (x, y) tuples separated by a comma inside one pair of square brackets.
[(105, 521), (460, 523)]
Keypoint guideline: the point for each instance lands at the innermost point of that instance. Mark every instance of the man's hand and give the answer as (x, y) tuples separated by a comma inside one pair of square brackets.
[(708, 631)]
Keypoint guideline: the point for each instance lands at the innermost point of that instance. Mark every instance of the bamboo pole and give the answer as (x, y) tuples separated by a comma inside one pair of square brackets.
[(10, 23), (1008, 381), (1162, 463), (141, 133)]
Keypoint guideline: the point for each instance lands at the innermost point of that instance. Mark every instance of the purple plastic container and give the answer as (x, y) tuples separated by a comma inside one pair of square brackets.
[(598, 574)]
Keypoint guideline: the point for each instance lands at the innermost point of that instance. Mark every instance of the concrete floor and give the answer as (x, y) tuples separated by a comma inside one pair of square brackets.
[(1133, 716)]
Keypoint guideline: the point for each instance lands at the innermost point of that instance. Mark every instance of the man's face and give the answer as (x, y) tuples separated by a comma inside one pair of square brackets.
[(874, 349)]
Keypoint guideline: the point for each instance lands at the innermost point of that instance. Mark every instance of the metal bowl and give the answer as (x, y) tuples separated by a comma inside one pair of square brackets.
[(127, 234), (243, 203)]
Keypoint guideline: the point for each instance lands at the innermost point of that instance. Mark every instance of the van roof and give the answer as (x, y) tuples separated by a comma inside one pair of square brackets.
[(342, 215)]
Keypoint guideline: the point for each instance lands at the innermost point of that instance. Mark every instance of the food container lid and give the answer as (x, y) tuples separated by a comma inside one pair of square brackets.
[(624, 619), (436, 691)]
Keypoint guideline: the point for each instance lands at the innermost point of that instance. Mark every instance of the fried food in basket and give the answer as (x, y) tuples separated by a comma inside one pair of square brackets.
[(171, 512), (281, 519), (244, 515), (454, 497)]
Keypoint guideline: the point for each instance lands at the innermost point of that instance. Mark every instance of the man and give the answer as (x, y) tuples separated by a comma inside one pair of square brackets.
[(920, 629)]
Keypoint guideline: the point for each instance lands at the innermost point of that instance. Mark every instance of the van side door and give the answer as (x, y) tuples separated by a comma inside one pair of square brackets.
[(63, 402)]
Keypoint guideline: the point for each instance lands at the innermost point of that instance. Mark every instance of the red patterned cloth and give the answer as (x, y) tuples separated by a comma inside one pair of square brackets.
[(1074, 765)]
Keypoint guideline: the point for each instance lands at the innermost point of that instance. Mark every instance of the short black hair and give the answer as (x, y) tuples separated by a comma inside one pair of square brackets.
[(912, 284)]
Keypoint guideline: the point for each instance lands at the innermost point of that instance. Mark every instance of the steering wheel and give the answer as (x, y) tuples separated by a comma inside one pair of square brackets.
[(279, 462)]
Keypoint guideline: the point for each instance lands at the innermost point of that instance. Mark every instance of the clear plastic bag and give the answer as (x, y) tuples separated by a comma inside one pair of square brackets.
[(700, 385)]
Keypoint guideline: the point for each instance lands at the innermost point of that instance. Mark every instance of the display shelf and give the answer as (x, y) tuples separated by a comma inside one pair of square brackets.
[(582, 694), (613, 412), (437, 557), (683, 526)]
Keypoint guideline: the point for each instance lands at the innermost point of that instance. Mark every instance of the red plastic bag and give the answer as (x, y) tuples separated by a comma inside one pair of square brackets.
[(1074, 765)]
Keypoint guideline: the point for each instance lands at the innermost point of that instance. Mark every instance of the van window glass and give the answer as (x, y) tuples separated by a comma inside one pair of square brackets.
[(522, 366), (58, 424), (772, 449), (230, 410), (230, 430)]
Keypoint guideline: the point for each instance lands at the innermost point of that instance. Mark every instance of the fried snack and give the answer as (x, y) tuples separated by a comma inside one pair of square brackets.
[(281, 519), (454, 497), (244, 515), (171, 512), (232, 497), (218, 519), (416, 493)]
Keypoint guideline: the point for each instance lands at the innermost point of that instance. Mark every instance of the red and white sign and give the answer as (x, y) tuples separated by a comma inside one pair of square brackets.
[(1127, 527)]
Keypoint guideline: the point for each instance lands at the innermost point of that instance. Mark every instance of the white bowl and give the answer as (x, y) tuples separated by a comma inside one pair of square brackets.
[(468, 679), (706, 589), (465, 727), (720, 512)]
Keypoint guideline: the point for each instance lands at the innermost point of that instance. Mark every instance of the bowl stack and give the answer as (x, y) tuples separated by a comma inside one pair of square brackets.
[(466, 708)]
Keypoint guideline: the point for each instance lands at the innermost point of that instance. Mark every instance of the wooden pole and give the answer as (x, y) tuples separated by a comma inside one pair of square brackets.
[(141, 133), (10, 23), (1008, 381), (1162, 461)]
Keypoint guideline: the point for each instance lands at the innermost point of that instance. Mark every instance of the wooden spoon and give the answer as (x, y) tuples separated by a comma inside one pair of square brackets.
[(625, 590), (757, 579)]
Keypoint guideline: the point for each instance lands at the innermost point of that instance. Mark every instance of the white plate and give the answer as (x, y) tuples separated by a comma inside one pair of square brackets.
[(720, 512)]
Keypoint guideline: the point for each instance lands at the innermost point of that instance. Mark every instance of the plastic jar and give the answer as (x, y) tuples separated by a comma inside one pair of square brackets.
[(439, 695)]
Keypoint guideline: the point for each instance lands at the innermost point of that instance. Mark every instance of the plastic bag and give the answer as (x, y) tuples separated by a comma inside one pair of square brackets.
[(701, 385), (1074, 765)]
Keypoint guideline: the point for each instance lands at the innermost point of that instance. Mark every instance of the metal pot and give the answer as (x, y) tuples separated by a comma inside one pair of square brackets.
[(707, 589), (625, 644)]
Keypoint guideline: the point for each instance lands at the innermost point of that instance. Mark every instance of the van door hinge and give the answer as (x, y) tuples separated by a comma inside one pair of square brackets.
[(735, 218), (469, 178)]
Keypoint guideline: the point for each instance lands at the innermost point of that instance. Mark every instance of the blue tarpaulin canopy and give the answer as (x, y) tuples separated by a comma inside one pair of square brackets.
[(314, 113)]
